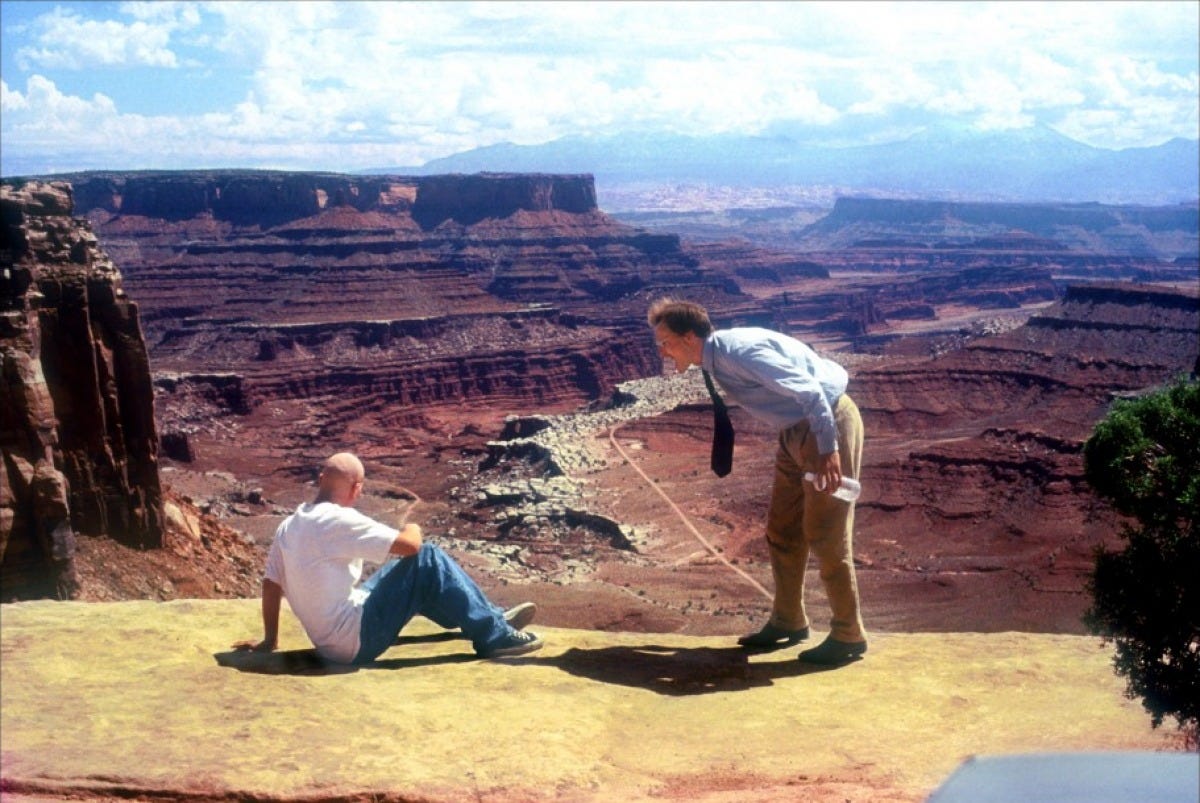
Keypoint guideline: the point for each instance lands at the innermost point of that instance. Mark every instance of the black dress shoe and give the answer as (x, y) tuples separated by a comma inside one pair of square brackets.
[(832, 652), (772, 636)]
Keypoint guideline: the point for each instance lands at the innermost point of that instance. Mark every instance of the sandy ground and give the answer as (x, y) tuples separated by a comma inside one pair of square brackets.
[(142, 700)]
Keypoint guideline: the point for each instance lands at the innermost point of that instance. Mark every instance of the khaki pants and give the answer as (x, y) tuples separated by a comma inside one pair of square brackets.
[(802, 519)]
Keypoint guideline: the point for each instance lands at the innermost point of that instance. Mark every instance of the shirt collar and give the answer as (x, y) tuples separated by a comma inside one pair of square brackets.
[(706, 352)]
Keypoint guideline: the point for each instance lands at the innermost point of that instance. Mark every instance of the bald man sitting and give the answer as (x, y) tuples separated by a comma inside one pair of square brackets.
[(316, 562)]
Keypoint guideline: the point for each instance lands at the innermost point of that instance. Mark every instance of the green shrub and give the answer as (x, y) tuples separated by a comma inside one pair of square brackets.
[(1144, 458)]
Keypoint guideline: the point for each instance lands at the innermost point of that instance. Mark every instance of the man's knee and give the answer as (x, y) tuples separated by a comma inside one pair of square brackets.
[(836, 569), (434, 557), (785, 541), (429, 554)]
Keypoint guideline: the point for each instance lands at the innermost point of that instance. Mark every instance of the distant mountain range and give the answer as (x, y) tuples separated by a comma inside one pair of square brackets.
[(1035, 164)]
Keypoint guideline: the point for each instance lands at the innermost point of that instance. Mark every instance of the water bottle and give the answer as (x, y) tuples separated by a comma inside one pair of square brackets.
[(848, 491)]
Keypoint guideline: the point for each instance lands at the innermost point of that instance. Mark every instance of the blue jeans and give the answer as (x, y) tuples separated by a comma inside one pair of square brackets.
[(429, 583)]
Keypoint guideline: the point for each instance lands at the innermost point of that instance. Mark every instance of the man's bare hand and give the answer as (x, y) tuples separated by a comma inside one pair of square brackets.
[(254, 646), (408, 542), (830, 471)]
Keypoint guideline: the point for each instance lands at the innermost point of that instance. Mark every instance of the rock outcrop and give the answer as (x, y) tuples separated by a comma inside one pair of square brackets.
[(1058, 371), (80, 451), (470, 199), (1133, 231)]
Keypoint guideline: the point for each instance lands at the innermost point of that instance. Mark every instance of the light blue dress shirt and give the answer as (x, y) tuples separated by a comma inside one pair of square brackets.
[(777, 379)]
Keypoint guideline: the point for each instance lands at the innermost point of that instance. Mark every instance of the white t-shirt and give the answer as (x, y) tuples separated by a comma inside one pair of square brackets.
[(317, 558)]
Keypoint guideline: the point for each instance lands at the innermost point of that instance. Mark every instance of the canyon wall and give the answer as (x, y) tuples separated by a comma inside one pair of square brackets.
[(367, 296), (80, 451), (412, 319), (286, 314), (1151, 233)]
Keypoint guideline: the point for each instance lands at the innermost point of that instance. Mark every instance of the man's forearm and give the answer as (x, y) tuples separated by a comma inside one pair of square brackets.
[(408, 542), (272, 596)]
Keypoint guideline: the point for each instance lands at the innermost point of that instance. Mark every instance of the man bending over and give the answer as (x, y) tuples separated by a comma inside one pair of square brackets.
[(316, 562)]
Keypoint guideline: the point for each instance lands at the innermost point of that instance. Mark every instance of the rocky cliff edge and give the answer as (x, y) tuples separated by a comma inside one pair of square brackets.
[(142, 700), (78, 449)]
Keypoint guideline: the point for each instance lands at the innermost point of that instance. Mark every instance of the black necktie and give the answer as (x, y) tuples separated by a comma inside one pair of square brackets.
[(722, 447)]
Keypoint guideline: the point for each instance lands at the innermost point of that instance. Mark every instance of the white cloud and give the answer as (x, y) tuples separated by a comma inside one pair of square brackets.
[(577, 73), (523, 73), (415, 80), (70, 133), (11, 101), (48, 108), (66, 40), (181, 14)]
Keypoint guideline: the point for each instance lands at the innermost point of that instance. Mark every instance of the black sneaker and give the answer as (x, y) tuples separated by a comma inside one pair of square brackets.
[(832, 652), (519, 616), (772, 636), (518, 642)]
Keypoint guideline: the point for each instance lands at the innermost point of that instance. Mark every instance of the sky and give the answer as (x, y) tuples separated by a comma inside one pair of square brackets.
[(344, 86)]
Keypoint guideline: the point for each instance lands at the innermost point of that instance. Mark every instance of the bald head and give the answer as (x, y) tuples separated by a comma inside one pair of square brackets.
[(341, 479)]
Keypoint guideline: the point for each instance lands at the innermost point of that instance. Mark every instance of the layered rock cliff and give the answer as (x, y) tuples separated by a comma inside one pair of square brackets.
[(368, 301), (77, 429), (988, 474), (975, 512), (349, 250), (1151, 233), (408, 318)]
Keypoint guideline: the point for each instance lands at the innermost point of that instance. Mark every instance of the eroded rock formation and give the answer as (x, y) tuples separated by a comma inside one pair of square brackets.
[(1131, 231), (408, 318), (80, 453), (368, 301)]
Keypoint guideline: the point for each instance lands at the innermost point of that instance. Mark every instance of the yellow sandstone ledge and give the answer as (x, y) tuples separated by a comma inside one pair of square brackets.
[(141, 699)]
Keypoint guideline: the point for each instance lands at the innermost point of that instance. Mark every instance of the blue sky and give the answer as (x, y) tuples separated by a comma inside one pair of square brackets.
[(343, 86)]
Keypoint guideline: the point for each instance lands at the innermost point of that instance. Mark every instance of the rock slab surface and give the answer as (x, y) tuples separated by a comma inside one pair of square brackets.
[(143, 700)]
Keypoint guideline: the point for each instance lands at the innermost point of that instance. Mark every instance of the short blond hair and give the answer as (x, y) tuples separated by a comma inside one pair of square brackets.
[(680, 317)]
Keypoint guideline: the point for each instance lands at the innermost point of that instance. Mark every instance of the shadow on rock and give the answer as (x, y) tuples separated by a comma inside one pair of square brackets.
[(428, 660), (678, 671), (430, 638), (281, 662), (309, 662)]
